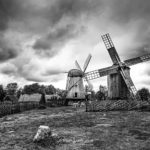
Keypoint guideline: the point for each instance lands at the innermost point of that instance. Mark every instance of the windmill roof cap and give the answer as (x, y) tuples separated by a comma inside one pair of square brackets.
[(75, 73)]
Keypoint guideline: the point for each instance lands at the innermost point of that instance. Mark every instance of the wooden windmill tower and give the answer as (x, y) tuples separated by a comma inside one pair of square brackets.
[(75, 88), (120, 84)]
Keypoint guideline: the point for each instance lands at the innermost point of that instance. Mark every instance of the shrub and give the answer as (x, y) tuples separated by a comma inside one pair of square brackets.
[(144, 94)]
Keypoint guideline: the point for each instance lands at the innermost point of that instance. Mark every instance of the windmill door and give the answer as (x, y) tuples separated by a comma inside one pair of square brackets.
[(76, 94)]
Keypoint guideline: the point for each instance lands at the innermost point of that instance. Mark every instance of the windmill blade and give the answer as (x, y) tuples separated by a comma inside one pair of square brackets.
[(101, 72), (74, 84), (137, 60), (130, 85), (111, 48), (89, 84), (77, 65), (87, 62)]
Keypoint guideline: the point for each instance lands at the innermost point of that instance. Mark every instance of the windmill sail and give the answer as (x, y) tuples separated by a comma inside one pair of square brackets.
[(111, 49), (129, 84), (101, 72), (84, 68), (87, 62), (137, 60), (77, 65)]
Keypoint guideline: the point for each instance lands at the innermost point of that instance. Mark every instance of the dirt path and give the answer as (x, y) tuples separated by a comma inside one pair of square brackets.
[(77, 129)]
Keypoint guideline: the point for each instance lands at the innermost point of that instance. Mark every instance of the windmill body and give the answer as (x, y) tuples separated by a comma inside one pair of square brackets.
[(120, 84), (117, 89), (75, 85)]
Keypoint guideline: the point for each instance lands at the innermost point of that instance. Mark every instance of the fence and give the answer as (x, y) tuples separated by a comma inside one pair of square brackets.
[(7, 108), (110, 105), (55, 102)]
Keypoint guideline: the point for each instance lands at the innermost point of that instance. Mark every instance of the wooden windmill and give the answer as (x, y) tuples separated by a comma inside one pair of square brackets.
[(75, 88), (120, 84)]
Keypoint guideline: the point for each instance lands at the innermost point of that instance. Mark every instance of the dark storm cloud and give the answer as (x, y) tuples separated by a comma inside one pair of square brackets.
[(56, 36), (132, 16), (128, 11), (137, 51), (7, 53), (55, 22), (7, 50), (8, 69), (9, 9), (72, 9), (35, 78), (49, 19), (123, 14), (26, 71), (68, 13), (56, 39), (51, 72)]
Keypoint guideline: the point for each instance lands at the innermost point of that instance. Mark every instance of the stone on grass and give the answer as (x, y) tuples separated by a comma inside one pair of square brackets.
[(42, 133), (45, 138)]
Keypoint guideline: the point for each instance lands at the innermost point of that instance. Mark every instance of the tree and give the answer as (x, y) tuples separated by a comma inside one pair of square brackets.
[(144, 94), (93, 95), (61, 93), (2, 93), (19, 92), (31, 89), (11, 88), (36, 88), (100, 95), (50, 89)]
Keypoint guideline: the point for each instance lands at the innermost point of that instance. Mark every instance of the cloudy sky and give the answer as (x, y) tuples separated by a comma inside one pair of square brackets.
[(41, 39)]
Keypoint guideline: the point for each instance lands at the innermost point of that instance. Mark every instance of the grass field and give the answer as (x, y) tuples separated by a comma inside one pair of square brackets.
[(77, 130)]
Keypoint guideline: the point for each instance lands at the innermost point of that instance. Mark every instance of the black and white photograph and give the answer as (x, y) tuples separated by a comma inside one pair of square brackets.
[(74, 75)]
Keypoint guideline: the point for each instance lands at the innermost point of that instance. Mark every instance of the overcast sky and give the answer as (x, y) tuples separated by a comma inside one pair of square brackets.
[(41, 39)]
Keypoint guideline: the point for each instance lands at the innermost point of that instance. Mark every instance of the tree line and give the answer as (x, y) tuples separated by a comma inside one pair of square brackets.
[(14, 89), (101, 94)]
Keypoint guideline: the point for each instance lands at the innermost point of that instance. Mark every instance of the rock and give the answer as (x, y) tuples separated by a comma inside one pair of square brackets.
[(54, 135), (42, 133)]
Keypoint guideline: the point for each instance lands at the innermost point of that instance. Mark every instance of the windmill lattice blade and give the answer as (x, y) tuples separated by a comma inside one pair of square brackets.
[(87, 62), (111, 48), (77, 65), (132, 89), (137, 60), (101, 72)]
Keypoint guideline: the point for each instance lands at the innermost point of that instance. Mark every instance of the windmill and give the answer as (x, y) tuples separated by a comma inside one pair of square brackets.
[(120, 84), (75, 88)]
